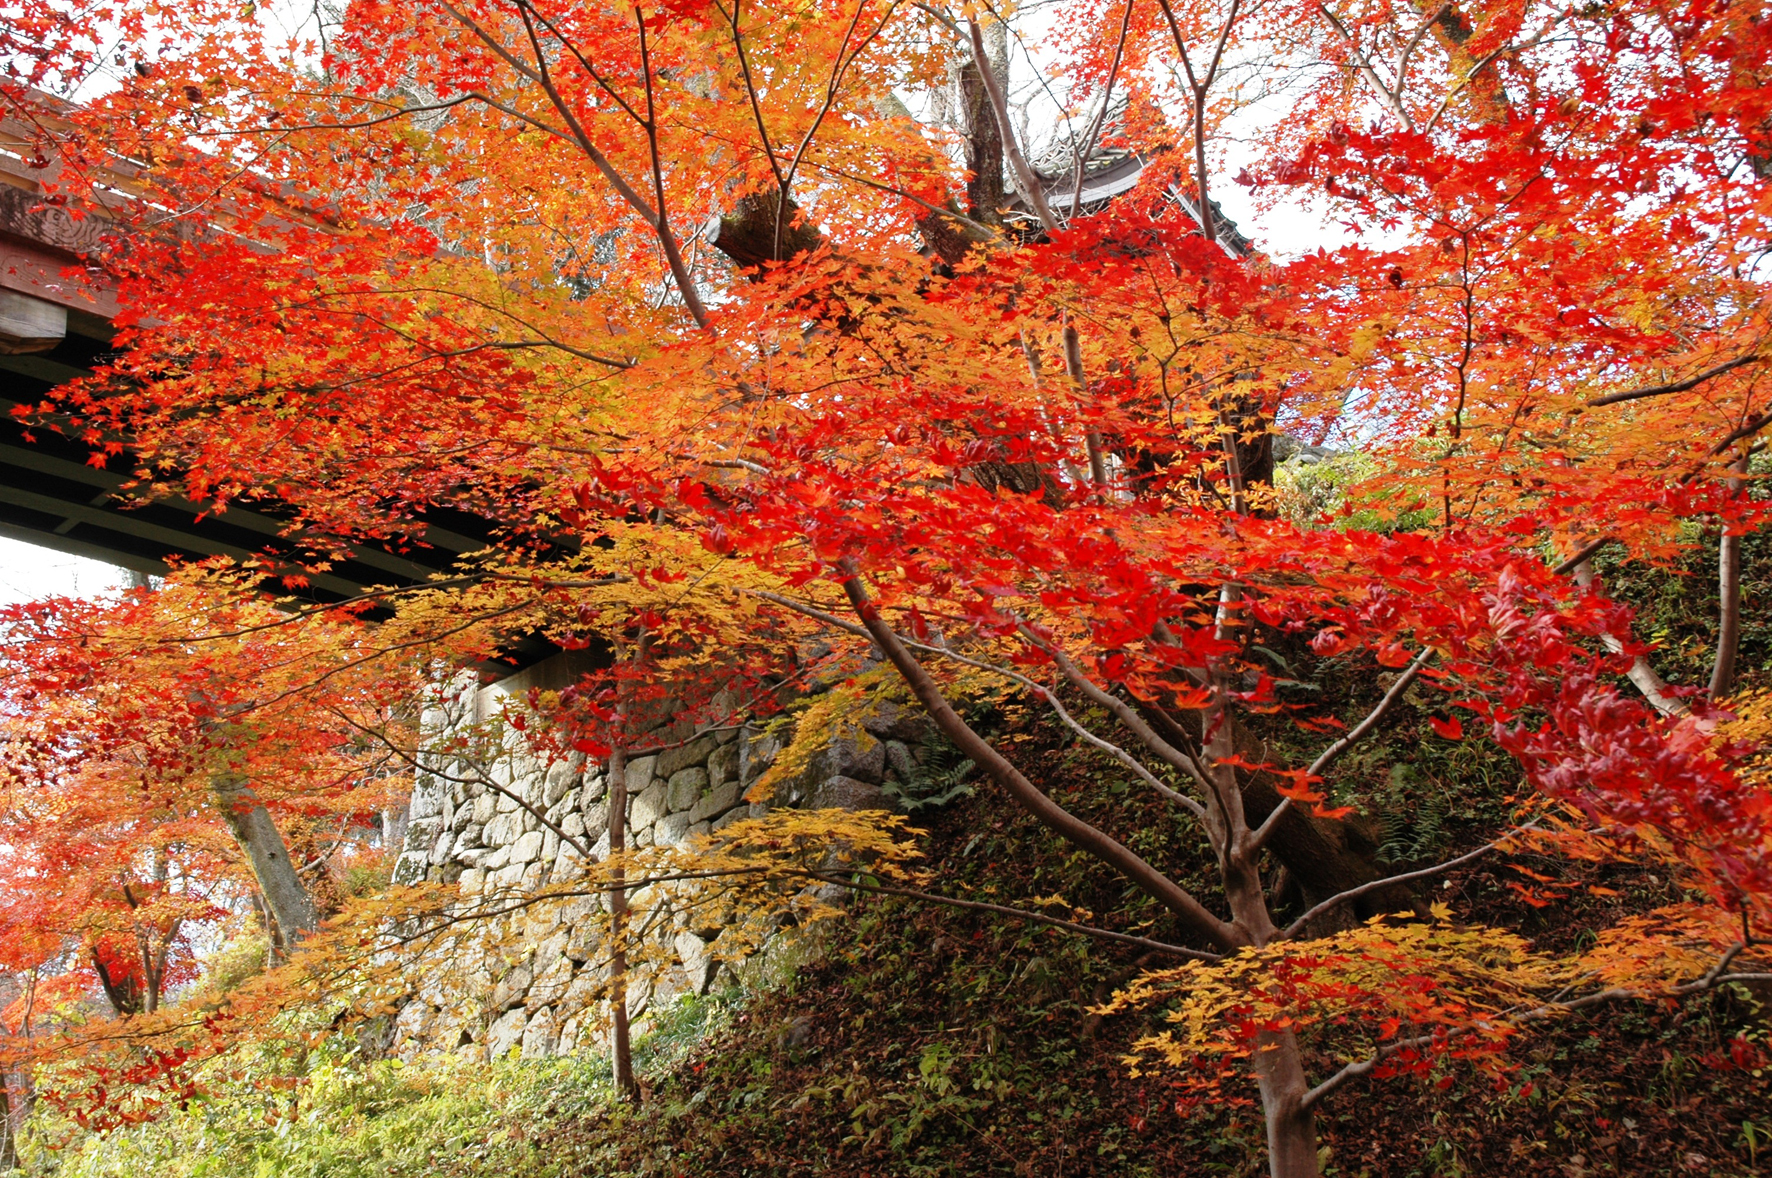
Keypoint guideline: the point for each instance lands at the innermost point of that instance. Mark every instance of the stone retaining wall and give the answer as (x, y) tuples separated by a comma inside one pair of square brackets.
[(542, 996)]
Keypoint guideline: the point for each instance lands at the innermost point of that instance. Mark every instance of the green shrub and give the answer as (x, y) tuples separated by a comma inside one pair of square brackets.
[(341, 1117)]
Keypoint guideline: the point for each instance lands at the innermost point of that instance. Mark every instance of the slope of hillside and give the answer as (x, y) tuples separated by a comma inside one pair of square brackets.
[(918, 1040)]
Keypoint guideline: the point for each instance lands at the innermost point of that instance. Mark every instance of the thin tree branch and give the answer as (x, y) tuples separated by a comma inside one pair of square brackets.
[(1677, 386), (1391, 98), (1747, 431), (1337, 900), (839, 69), (1470, 76), (1581, 556), (988, 231), (667, 240), (1019, 914), (584, 62), (481, 778), (1048, 812), (542, 76), (1119, 707), (1402, 70), (750, 89)]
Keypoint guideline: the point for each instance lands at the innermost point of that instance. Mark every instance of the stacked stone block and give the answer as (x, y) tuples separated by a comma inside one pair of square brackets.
[(538, 991)]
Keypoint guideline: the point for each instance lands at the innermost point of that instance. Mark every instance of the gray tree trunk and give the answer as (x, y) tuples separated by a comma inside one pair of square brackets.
[(1291, 1127), (292, 909), (620, 1047)]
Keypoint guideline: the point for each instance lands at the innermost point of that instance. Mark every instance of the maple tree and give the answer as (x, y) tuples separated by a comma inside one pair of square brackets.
[(155, 769), (928, 390)]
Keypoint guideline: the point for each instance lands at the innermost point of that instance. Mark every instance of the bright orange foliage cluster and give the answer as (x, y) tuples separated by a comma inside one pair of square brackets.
[(698, 268)]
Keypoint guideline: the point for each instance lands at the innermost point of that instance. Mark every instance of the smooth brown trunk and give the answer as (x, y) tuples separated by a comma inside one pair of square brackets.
[(1228, 825)]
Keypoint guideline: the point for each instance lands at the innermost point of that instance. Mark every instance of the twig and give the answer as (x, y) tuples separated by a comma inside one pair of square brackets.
[(1334, 751), (1337, 900), (1019, 914)]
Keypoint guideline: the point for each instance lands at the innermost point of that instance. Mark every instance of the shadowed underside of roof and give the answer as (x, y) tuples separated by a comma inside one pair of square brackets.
[(55, 327)]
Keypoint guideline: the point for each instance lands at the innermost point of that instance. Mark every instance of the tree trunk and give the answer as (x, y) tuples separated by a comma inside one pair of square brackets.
[(123, 993), (8, 1146), (291, 909), (1322, 856), (761, 229), (1655, 689), (1291, 1127), (986, 193), (1722, 676), (620, 1047)]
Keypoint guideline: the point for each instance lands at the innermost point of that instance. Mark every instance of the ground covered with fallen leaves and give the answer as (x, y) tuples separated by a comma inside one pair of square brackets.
[(927, 1041)]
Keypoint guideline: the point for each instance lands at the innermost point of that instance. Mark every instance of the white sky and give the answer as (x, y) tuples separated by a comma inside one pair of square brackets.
[(28, 572)]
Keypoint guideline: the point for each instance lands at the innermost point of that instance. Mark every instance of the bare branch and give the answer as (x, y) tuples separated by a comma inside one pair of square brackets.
[(1402, 70), (480, 778), (1677, 386), (831, 89), (1470, 75), (1020, 914), (1032, 799), (1353, 737), (1365, 889), (1391, 98), (666, 239), (576, 134), (750, 89)]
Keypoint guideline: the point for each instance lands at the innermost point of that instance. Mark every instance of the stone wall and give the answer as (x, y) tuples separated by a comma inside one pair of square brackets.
[(540, 989)]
